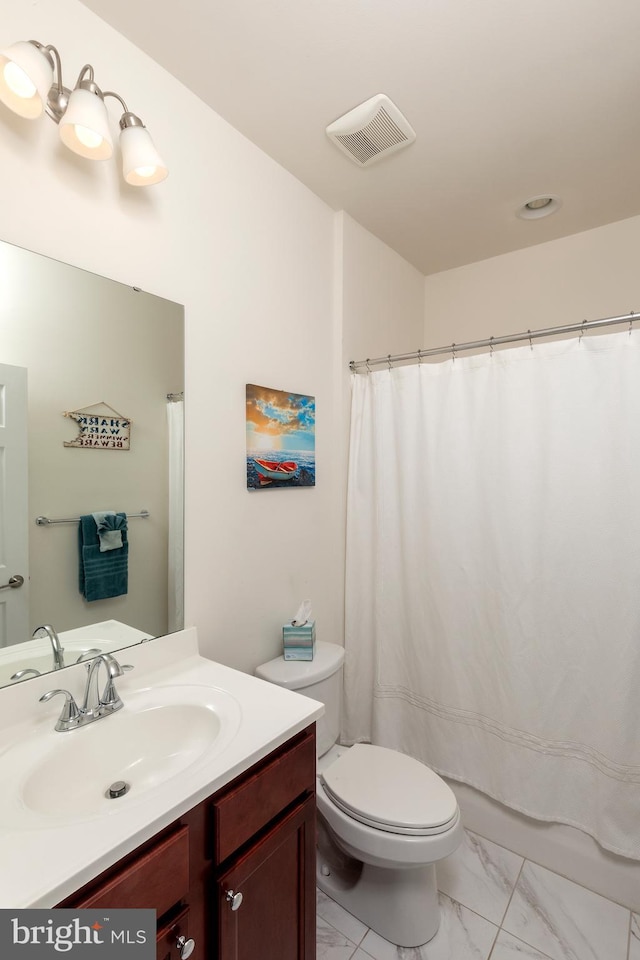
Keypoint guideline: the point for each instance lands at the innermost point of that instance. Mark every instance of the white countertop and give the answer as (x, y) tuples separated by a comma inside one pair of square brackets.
[(43, 862)]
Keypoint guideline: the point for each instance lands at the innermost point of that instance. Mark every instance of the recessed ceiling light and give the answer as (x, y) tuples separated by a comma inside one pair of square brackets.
[(537, 207), (537, 204)]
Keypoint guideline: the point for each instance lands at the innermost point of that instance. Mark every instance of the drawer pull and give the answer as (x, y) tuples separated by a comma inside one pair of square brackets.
[(185, 947), (235, 899)]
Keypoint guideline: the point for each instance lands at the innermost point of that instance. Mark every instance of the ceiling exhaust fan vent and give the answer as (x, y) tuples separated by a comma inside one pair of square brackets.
[(371, 131)]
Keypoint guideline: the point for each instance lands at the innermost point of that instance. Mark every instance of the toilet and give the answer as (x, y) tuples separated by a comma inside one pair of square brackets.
[(384, 818)]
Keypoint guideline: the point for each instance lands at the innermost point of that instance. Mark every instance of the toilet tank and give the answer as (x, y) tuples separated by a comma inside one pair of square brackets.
[(320, 679)]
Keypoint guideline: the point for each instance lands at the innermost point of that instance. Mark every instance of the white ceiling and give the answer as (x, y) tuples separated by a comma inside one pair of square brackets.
[(509, 99)]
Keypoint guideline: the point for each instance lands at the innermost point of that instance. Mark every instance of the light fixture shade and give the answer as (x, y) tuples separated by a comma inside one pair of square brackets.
[(84, 128), (141, 162), (26, 76)]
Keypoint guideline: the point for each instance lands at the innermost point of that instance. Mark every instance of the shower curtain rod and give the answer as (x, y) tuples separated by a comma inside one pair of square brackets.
[(453, 348)]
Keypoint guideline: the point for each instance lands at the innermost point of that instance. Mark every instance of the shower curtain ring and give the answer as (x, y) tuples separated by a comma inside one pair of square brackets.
[(581, 331), (453, 351), (367, 365), (491, 346), (419, 356), (389, 361), (632, 317), (530, 339)]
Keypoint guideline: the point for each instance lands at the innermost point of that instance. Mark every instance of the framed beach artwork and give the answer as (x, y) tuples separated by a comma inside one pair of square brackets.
[(281, 438)]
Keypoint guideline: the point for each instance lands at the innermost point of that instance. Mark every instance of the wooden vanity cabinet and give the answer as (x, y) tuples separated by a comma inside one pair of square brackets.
[(236, 873)]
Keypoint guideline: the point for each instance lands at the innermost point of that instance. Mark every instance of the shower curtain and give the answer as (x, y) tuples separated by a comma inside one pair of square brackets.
[(493, 576), (175, 422)]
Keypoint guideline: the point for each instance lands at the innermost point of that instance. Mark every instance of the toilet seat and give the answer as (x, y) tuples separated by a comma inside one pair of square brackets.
[(390, 791)]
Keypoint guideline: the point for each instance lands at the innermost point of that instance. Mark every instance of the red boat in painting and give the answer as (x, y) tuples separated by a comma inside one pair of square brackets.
[(273, 470)]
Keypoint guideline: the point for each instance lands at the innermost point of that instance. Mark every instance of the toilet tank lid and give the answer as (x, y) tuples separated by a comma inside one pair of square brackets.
[(298, 674)]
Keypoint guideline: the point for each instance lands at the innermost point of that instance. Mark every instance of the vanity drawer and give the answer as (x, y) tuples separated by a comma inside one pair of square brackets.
[(250, 804), (158, 878)]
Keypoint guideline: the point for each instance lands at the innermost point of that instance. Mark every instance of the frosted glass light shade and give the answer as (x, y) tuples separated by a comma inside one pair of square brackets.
[(141, 162), (26, 76), (84, 128)]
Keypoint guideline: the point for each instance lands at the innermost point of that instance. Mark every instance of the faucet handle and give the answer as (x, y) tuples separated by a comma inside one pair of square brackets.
[(110, 697), (70, 715), (27, 672)]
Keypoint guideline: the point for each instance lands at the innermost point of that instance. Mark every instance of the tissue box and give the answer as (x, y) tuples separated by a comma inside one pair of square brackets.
[(299, 640)]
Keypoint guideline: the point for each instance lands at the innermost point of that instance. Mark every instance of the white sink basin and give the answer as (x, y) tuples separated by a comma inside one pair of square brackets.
[(159, 734)]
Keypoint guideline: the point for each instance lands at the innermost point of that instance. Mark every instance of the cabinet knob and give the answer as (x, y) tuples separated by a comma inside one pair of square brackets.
[(185, 947), (235, 899)]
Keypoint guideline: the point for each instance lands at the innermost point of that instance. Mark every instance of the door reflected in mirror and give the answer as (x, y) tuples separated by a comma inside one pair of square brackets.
[(75, 342)]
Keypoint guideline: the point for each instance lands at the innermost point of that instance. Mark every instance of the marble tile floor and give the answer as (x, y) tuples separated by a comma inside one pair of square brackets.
[(495, 906)]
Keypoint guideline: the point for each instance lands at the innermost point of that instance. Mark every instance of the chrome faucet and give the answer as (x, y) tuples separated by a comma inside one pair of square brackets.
[(95, 705), (94, 702), (47, 630)]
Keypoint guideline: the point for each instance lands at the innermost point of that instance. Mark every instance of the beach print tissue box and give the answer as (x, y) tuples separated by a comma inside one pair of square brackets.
[(299, 640)]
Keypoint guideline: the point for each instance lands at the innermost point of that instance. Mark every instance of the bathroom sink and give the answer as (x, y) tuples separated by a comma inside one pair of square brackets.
[(160, 734)]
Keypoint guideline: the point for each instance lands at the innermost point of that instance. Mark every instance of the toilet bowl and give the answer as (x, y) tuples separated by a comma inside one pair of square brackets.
[(384, 818), (384, 821)]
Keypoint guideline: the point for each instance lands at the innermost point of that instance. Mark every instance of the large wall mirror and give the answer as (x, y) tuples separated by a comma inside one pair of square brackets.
[(74, 341)]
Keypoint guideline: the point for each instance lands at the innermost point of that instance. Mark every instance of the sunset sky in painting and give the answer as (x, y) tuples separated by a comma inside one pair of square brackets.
[(277, 420)]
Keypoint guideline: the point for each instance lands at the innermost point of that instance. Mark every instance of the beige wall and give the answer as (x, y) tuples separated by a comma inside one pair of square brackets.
[(382, 296), (257, 261), (583, 277)]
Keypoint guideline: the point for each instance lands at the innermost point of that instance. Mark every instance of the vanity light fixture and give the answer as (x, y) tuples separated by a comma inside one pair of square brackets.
[(31, 84)]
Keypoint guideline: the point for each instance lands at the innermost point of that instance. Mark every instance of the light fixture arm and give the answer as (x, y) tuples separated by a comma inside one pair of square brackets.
[(127, 119), (58, 97), (116, 96), (57, 85), (81, 76), (86, 81)]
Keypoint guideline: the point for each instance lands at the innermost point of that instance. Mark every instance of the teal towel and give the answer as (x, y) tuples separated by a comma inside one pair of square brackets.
[(102, 575), (110, 526)]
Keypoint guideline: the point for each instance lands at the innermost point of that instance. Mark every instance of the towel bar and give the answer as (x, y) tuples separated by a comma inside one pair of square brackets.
[(45, 521)]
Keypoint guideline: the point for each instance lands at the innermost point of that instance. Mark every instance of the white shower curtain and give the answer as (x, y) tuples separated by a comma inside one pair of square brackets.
[(493, 576), (175, 422)]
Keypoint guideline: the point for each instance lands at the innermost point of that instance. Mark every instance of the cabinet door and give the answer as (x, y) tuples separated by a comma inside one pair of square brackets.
[(275, 919)]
